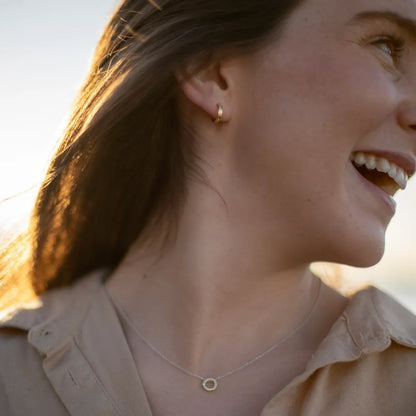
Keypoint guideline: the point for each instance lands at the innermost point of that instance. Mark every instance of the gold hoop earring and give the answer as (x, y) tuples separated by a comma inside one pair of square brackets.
[(220, 113)]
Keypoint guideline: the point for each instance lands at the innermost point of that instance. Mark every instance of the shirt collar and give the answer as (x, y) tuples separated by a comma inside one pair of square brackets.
[(369, 323), (374, 315), (55, 316)]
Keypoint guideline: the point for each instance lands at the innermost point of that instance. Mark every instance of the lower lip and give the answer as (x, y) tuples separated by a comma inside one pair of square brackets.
[(384, 196)]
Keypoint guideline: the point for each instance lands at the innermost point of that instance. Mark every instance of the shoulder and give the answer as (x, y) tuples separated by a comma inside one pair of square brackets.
[(48, 317), (367, 360), (29, 332), (51, 304)]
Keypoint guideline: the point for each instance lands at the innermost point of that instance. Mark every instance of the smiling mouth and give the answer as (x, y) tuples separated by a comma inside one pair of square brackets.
[(379, 171)]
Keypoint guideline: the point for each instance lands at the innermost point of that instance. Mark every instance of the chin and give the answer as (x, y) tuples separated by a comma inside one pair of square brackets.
[(365, 261), (359, 252)]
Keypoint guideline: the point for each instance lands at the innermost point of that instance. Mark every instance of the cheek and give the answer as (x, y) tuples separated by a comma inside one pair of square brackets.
[(346, 89), (328, 101), (302, 115), (309, 94)]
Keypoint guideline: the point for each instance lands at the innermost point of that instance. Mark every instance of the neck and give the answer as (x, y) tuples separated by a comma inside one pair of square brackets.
[(215, 280)]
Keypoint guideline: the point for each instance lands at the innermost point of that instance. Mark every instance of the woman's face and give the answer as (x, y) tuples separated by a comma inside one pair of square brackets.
[(340, 79)]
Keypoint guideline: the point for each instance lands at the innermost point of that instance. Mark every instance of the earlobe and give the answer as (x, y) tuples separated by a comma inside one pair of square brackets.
[(208, 91)]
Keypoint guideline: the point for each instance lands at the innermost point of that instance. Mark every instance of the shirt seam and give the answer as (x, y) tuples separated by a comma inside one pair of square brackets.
[(380, 318), (347, 323)]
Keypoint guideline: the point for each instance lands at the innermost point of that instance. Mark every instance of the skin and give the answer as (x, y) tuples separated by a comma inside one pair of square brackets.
[(236, 279)]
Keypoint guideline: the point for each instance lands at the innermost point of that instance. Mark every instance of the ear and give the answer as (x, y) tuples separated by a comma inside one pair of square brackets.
[(206, 89)]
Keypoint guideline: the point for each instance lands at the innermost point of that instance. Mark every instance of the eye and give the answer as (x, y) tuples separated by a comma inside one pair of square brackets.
[(393, 46)]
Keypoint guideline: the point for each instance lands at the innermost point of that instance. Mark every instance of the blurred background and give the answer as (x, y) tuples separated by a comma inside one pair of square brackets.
[(45, 48)]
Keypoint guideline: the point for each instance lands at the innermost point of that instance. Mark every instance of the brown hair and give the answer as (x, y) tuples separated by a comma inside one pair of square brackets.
[(121, 166)]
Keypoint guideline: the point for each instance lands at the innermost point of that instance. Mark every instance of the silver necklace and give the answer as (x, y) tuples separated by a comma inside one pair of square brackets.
[(211, 383)]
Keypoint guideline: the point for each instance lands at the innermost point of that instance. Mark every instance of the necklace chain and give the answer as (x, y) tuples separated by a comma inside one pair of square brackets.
[(211, 383)]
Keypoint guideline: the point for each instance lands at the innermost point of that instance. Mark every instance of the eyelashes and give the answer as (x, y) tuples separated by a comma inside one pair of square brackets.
[(391, 45)]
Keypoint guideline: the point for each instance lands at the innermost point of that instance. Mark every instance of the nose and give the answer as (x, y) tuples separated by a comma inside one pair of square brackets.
[(407, 121), (407, 117), (407, 105)]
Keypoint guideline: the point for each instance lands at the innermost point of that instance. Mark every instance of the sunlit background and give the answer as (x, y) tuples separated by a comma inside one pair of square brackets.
[(45, 50)]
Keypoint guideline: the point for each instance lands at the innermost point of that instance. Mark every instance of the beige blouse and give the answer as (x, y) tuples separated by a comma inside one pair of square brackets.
[(57, 358)]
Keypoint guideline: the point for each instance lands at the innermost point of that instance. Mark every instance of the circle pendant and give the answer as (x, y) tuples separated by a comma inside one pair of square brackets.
[(210, 384)]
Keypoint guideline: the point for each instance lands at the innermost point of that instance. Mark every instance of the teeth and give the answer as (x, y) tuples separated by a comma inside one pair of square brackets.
[(392, 172), (381, 165), (359, 159), (370, 162), (401, 178)]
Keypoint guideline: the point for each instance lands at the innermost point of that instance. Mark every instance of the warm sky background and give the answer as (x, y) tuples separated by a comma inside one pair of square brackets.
[(45, 50)]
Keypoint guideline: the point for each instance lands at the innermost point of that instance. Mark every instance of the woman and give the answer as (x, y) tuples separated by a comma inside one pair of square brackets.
[(218, 148)]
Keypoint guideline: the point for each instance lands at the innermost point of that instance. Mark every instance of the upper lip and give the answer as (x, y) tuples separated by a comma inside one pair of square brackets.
[(403, 160)]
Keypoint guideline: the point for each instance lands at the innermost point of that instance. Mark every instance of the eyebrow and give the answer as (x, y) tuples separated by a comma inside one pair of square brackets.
[(400, 21)]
